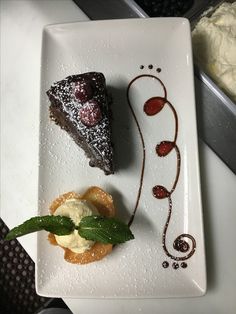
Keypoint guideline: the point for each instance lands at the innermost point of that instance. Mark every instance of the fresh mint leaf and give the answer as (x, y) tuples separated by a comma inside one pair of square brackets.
[(58, 225), (104, 230)]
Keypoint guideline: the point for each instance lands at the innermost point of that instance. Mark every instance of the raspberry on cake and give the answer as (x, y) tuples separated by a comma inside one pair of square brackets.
[(79, 105)]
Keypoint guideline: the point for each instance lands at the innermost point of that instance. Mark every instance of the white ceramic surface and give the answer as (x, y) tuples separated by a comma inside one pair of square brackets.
[(218, 182), (118, 48)]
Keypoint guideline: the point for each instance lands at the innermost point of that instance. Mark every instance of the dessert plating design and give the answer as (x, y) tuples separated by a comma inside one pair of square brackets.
[(184, 243)]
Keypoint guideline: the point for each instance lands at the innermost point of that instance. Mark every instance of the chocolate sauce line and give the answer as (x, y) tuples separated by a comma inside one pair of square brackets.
[(142, 139), (150, 76), (176, 120), (176, 147), (178, 168), (179, 244)]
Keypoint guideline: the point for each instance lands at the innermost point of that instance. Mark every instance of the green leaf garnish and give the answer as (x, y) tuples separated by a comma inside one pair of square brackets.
[(59, 225), (95, 228), (104, 230)]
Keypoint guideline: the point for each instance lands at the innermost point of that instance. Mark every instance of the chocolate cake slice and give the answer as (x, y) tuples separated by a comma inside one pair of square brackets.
[(79, 105)]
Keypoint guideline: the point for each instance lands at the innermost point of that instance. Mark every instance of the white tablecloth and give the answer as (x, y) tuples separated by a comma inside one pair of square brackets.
[(21, 33)]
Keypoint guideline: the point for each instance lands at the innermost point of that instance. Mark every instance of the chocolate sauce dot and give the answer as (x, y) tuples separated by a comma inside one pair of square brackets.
[(175, 265), (158, 70), (165, 264), (150, 66), (141, 67), (184, 265)]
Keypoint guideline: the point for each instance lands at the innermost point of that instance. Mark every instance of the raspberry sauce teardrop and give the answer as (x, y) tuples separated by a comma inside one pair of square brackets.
[(160, 192), (164, 148), (154, 105)]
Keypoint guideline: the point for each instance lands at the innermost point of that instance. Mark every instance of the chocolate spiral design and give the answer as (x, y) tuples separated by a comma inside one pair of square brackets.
[(179, 243), (141, 137), (152, 107)]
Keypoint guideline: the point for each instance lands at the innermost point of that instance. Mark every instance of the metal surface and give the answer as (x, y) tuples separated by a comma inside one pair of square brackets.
[(216, 119), (196, 9), (216, 113), (114, 9), (109, 9)]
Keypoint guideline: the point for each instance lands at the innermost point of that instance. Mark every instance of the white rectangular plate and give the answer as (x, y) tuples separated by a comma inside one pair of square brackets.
[(159, 49)]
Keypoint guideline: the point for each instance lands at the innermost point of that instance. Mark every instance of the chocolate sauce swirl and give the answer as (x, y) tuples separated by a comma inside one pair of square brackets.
[(179, 243), (152, 107), (141, 137)]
